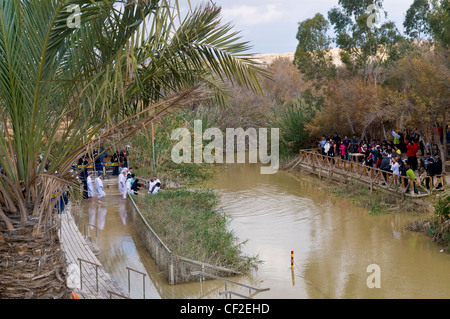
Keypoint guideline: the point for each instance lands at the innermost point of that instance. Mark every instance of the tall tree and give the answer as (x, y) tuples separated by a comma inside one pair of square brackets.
[(312, 56), (439, 21), (364, 45), (416, 22), (423, 78), (348, 102)]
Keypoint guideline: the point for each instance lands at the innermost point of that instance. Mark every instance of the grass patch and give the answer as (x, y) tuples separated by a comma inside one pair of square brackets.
[(376, 202), (190, 225)]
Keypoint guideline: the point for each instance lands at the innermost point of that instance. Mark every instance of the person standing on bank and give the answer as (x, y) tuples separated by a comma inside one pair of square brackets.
[(122, 183), (90, 186), (385, 166), (128, 183), (411, 152), (395, 168), (438, 169), (429, 168), (355, 144), (99, 187), (115, 159), (411, 177)]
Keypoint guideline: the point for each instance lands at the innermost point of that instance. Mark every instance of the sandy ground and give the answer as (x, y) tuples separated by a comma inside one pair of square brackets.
[(269, 58)]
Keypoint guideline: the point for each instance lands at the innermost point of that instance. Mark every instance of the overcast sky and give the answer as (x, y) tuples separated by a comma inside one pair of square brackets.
[(271, 25)]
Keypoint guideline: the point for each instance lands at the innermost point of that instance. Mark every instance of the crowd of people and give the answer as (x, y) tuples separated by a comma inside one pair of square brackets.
[(126, 182), (406, 155), (119, 157)]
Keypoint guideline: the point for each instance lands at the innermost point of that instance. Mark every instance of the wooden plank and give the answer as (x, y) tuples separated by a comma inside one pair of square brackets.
[(75, 247)]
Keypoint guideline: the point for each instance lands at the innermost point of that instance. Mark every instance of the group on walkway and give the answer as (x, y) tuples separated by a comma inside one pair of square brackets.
[(406, 156), (99, 190)]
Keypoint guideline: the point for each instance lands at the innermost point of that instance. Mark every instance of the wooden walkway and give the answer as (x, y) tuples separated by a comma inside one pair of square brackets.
[(88, 274), (344, 171)]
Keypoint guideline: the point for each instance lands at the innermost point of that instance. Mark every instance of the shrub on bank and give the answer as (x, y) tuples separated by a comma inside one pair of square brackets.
[(141, 153), (439, 226), (189, 224), (377, 202)]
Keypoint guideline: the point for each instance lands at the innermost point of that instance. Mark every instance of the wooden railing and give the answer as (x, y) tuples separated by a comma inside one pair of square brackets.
[(369, 175)]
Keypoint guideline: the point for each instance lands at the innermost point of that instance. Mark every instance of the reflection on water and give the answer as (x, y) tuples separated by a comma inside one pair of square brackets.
[(333, 242), (118, 245)]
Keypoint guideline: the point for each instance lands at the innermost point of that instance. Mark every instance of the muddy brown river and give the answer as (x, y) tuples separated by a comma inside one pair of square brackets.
[(334, 243)]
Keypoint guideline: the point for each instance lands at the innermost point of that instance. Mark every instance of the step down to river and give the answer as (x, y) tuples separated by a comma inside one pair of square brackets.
[(230, 293), (225, 280)]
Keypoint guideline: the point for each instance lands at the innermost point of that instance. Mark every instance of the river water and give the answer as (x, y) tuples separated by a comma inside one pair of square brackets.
[(334, 242)]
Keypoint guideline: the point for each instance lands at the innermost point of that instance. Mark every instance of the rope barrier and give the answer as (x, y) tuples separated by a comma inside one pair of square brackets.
[(310, 282)]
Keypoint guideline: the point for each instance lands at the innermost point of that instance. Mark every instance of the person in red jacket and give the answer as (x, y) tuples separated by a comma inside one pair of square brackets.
[(411, 151)]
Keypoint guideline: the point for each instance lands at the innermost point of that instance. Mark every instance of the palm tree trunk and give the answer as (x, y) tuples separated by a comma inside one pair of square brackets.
[(6, 220)]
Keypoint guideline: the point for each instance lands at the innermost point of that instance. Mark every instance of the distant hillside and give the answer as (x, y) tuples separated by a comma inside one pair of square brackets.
[(269, 58)]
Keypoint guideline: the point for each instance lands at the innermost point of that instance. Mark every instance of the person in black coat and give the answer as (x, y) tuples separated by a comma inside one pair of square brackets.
[(84, 174), (430, 169), (437, 168), (402, 170), (385, 165), (115, 159)]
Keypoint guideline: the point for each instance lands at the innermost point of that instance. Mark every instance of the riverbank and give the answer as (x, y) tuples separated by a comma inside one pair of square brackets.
[(184, 215), (189, 223), (376, 201), (431, 214), (438, 225)]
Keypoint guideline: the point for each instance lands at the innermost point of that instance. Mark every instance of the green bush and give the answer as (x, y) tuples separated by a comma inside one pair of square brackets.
[(292, 123), (442, 207), (141, 152)]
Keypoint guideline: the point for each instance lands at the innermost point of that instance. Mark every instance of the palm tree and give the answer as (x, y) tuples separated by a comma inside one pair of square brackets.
[(76, 72)]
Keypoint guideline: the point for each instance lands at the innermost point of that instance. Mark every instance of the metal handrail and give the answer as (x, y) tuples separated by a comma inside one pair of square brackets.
[(143, 280), (81, 271), (225, 280), (96, 278), (148, 226), (229, 292), (116, 294)]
